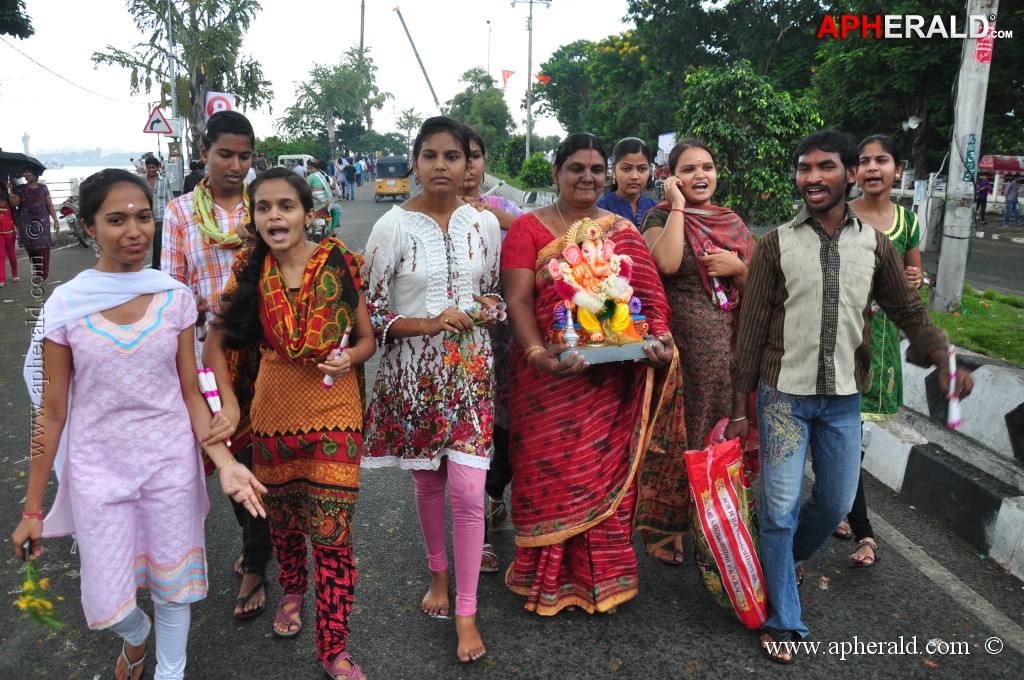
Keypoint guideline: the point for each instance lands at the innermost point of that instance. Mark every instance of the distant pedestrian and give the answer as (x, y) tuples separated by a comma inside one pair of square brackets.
[(193, 178), (8, 237), (984, 188), (300, 169), (262, 164), (162, 195), (359, 172), (350, 181), (35, 210), (1012, 202)]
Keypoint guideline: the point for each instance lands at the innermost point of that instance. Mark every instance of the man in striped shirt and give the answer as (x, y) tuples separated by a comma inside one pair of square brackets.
[(804, 344)]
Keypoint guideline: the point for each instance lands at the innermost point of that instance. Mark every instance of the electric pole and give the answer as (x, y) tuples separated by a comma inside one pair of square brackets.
[(969, 114), (529, 68), (362, 25)]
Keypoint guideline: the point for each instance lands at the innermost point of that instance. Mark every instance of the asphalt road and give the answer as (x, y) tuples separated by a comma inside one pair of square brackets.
[(927, 586)]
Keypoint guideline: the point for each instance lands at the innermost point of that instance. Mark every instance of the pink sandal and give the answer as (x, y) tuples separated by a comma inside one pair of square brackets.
[(353, 673), (290, 605)]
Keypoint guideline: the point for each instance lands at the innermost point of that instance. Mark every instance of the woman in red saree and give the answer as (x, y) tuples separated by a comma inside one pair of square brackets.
[(578, 432)]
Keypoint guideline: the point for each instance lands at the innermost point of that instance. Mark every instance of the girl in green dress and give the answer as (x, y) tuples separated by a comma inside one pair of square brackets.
[(879, 167)]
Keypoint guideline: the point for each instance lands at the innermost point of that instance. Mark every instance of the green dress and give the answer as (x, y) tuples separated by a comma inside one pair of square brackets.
[(884, 395)]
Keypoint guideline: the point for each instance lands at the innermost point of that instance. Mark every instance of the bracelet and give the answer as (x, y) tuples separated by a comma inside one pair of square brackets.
[(423, 324), (32, 515), (532, 352), (737, 420), (678, 210), (229, 461)]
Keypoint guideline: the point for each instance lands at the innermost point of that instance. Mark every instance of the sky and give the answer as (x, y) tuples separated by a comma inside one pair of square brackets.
[(451, 37)]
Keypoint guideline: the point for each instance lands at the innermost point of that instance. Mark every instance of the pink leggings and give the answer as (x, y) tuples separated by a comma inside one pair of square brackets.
[(466, 494)]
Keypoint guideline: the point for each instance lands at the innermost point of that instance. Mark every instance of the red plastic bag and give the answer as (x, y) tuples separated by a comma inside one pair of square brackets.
[(725, 530)]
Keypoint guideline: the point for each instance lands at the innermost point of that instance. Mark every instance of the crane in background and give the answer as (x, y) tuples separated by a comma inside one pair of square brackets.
[(422, 67)]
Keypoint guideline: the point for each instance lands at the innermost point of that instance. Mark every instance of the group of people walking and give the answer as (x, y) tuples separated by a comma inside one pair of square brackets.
[(466, 403)]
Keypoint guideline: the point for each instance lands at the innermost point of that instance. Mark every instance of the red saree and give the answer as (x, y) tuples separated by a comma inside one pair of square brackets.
[(577, 444)]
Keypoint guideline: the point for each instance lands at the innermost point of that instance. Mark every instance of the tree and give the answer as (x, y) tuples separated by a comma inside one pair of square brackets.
[(752, 130), (408, 122), (567, 95), (482, 107), (369, 97), (208, 36), (14, 19), (335, 97)]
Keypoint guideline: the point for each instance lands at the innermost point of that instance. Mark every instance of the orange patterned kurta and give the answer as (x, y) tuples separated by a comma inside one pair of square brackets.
[(307, 439)]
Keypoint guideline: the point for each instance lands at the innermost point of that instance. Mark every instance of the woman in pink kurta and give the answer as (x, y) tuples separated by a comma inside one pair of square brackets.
[(113, 366)]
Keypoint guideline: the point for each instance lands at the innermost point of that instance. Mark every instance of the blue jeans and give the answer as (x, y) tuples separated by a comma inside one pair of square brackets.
[(789, 425), (1012, 208)]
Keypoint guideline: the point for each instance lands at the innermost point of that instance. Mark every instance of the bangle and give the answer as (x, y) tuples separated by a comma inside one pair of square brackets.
[(32, 515), (737, 420), (678, 210), (224, 464), (532, 352), (423, 324)]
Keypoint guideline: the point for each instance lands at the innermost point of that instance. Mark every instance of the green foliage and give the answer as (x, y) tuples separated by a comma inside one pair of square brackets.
[(408, 122), (991, 325), (14, 19), (482, 107), (208, 35), (335, 98), (536, 171), (275, 146), (508, 155), (752, 130)]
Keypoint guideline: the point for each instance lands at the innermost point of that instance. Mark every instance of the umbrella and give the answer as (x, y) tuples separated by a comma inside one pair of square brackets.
[(13, 163)]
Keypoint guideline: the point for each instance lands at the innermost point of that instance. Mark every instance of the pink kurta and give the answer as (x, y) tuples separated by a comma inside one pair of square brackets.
[(134, 477)]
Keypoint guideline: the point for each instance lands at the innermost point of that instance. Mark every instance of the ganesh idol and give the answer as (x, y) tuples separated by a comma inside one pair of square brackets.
[(594, 281)]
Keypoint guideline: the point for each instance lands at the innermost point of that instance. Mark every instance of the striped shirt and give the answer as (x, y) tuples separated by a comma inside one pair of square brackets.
[(187, 257), (805, 324)]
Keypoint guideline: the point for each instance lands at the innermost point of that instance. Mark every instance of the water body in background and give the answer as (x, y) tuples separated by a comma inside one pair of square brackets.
[(59, 180)]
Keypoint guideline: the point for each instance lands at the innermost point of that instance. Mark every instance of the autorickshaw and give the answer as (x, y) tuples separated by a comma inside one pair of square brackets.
[(392, 179)]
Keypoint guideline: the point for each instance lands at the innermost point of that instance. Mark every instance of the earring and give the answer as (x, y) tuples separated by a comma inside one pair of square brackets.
[(96, 248)]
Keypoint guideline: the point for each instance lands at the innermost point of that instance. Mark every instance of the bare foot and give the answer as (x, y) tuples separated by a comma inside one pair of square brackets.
[(240, 565), (471, 645), (435, 602), (257, 601)]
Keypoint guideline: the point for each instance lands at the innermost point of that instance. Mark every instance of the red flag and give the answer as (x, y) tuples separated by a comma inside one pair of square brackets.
[(505, 75), (543, 78)]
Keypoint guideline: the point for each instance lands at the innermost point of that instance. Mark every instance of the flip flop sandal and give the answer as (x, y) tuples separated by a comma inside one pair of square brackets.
[(132, 666), (843, 532), (497, 514), (283, 616), (778, 636), (488, 560), (334, 672), (856, 564), (244, 600)]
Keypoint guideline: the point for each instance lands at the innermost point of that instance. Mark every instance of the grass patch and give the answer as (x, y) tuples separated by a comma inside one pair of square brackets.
[(988, 323), (518, 183)]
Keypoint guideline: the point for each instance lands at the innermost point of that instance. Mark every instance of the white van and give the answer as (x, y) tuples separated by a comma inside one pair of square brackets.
[(285, 160)]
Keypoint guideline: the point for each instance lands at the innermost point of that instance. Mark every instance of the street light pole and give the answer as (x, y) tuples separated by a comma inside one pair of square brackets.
[(529, 68), (969, 114), (488, 47)]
